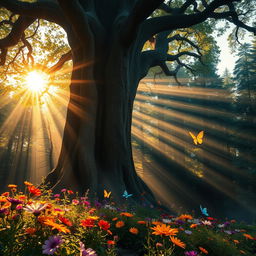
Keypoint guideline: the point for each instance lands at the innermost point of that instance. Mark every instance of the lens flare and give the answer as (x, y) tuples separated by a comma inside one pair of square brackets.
[(36, 81)]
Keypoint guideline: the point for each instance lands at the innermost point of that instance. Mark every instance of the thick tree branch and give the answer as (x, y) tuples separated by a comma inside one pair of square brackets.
[(76, 15), (140, 12), (43, 9), (64, 58), (15, 35), (153, 26)]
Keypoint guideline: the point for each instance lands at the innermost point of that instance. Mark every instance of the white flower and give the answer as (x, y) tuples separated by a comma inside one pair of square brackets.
[(107, 206), (35, 208), (221, 225), (166, 221), (206, 222)]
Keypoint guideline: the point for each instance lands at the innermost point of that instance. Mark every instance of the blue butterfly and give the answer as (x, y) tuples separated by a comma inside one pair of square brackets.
[(126, 195), (204, 211)]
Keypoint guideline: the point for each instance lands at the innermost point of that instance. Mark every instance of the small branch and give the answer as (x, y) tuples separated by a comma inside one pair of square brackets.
[(64, 58)]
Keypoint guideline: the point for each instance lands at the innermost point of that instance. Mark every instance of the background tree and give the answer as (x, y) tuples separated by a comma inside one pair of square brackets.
[(106, 40)]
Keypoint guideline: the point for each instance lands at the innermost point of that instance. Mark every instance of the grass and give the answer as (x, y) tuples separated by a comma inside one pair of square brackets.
[(36, 222)]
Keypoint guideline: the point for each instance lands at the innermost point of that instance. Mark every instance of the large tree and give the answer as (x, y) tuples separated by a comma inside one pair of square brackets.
[(106, 39)]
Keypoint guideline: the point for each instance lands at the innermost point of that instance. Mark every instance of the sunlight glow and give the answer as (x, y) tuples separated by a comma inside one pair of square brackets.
[(36, 81)]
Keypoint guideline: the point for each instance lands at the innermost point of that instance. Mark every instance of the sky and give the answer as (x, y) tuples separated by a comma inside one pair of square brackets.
[(227, 59)]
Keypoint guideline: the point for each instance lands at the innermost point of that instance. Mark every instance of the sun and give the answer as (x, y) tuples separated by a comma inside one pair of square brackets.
[(36, 81)]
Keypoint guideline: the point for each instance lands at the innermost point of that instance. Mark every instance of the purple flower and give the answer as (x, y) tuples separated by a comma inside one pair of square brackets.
[(51, 245), (179, 222), (87, 252), (3, 211), (14, 201), (191, 253), (188, 232)]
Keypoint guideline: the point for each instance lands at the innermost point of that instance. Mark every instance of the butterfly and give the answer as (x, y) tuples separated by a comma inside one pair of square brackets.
[(126, 195), (204, 211), (197, 139), (107, 194)]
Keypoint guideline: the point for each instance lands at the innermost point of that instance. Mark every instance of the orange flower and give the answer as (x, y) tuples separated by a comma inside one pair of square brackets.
[(119, 224), (30, 231), (114, 219), (103, 224), (3, 199), (243, 252), (92, 210), (22, 197), (164, 229), (193, 225), (185, 217), (6, 205), (203, 250), (134, 231), (28, 183), (12, 186), (111, 242), (177, 242), (34, 191), (127, 214), (43, 218), (65, 221), (157, 223), (6, 194), (236, 241), (248, 236), (141, 222), (87, 223), (59, 227)]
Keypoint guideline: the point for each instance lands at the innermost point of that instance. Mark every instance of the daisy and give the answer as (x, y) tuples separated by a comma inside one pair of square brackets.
[(35, 208), (51, 245)]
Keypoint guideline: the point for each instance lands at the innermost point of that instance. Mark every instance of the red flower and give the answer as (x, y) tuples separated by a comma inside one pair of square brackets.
[(111, 242), (34, 191), (87, 223), (70, 192), (65, 221), (104, 224)]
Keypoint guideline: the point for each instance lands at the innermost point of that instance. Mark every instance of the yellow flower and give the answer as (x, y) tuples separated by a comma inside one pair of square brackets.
[(12, 186), (93, 217), (177, 242), (119, 224), (185, 217), (134, 231), (28, 183), (164, 229)]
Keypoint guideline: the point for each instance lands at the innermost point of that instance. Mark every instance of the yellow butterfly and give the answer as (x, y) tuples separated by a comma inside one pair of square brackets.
[(107, 194), (197, 139)]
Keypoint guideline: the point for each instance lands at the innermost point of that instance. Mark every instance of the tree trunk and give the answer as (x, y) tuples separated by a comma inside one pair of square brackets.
[(96, 152)]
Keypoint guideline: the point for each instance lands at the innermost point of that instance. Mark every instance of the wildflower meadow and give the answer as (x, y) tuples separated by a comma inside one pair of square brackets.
[(37, 222)]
